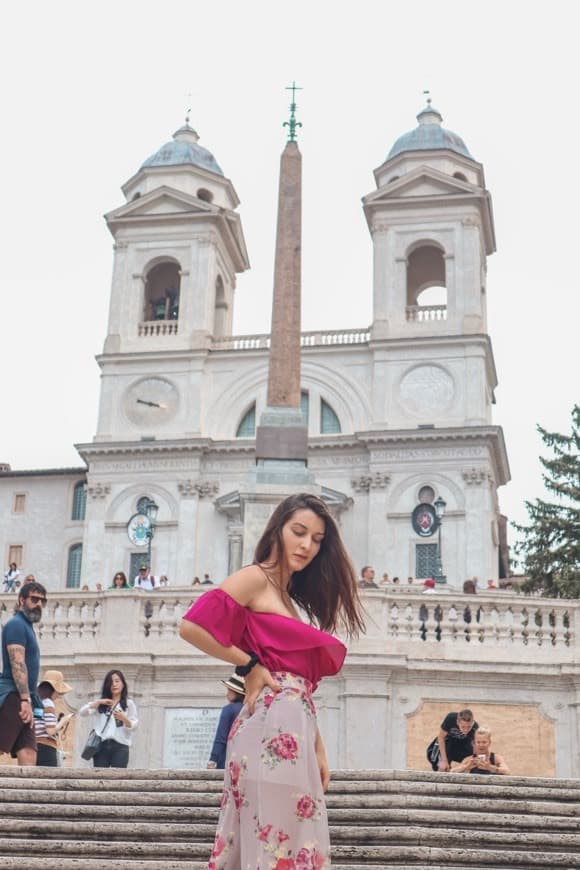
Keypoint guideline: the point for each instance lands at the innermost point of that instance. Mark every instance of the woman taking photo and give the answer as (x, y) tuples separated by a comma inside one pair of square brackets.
[(273, 811), (116, 720), (48, 727)]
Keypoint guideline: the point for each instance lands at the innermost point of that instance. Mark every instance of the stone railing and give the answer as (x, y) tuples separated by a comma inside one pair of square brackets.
[(158, 327), (426, 312), (447, 624), (307, 339)]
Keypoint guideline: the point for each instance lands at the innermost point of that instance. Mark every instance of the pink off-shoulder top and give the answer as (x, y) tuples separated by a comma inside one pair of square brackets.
[(280, 642)]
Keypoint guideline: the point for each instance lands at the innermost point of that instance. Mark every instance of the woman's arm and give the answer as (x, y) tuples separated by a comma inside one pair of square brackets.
[(323, 767), (500, 765), (127, 717), (444, 763)]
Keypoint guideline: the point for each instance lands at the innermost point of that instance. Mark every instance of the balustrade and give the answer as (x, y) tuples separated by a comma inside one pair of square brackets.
[(307, 339), (505, 625), (158, 327), (422, 313)]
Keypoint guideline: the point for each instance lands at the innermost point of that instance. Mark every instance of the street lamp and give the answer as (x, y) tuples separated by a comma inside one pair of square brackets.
[(439, 504), (151, 511)]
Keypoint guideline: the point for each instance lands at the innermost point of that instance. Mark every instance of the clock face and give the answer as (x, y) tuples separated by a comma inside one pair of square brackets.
[(151, 402)]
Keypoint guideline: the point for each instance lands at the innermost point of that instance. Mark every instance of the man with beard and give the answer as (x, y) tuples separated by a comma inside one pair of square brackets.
[(21, 664)]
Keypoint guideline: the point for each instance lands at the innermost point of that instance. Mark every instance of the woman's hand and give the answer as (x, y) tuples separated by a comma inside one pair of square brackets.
[(257, 679), (121, 716), (104, 702), (322, 760)]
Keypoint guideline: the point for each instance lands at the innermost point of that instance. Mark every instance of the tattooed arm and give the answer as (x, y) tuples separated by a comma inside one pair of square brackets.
[(20, 676)]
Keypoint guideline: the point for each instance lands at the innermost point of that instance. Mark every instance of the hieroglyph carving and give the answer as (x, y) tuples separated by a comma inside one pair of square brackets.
[(366, 482), (99, 490), (199, 488), (476, 476)]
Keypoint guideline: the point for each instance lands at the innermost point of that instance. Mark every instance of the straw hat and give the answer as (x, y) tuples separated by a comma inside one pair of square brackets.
[(57, 682), (236, 684)]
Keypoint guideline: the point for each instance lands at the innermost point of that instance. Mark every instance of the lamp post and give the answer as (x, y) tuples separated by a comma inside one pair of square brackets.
[(439, 504), (151, 511)]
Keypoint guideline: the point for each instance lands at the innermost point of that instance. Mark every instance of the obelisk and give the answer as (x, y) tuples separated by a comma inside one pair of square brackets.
[(282, 436)]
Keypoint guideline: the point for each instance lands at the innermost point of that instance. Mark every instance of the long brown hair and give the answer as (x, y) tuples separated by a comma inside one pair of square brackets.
[(327, 588)]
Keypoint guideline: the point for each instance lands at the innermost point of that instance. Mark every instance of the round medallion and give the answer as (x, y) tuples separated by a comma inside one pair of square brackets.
[(138, 530), (424, 520), (426, 390)]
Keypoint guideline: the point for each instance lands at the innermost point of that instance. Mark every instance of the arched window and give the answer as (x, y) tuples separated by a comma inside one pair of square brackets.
[(304, 405), (221, 308), (426, 284), (329, 422), (142, 504), (73, 570), (79, 504), (460, 176), (162, 292), (205, 195), (247, 427)]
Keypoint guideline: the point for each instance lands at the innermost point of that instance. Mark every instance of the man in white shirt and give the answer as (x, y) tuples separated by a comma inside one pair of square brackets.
[(144, 580)]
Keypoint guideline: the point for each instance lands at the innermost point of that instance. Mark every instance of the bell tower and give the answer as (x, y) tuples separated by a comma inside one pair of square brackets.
[(432, 227), (178, 248)]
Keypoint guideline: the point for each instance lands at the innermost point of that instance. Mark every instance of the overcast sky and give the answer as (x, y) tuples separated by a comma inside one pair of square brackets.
[(91, 90)]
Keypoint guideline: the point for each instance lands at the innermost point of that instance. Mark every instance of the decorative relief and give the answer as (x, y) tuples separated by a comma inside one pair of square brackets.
[(199, 488), (476, 476), (99, 490), (366, 482), (426, 389)]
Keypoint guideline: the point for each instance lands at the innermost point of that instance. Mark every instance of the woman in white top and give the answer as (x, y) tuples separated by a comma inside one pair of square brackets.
[(117, 719)]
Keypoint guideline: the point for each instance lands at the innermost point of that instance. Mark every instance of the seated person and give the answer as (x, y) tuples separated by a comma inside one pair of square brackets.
[(482, 761), (456, 738)]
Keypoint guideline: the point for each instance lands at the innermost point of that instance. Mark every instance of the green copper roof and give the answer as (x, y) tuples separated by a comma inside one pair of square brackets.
[(184, 150), (429, 136)]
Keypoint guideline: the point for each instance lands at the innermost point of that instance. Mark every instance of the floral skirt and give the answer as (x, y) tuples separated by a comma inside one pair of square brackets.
[(273, 814)]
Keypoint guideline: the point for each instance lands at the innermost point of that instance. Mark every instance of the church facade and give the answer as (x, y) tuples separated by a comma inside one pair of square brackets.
[(399, 412)]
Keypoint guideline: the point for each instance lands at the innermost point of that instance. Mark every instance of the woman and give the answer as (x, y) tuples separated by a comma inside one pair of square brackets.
[(273, 811), (483, 761), (117, 719), (48, 727), (119, 581)]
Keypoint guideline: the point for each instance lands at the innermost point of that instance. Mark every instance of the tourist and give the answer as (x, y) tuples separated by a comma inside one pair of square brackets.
[(482, 761), (429, 586), (455, 738), (368, 578), (21, 664), (10, 577), (117, 719), (120, 581), (144, 580), (275, 749), (469, 588), (385, 579), (48, 727), (410, 581), (164, 580), (235, 696), (207, 581)]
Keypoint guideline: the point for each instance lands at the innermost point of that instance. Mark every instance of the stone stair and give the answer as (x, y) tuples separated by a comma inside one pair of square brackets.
[(165, 820)]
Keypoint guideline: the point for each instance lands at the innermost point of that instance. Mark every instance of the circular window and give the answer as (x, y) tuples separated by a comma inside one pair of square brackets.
[(426, 495)]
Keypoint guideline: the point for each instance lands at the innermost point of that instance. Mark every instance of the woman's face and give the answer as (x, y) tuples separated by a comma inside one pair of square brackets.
[(302, 536), (117, 685), (481, 744), (118, 580)]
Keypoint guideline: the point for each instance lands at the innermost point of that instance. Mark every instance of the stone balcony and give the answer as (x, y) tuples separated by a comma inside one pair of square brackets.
[(426, 313), (307, 339), (501, 627)]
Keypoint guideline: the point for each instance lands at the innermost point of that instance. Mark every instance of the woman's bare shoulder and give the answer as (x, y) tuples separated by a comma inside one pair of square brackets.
[(245, 584)]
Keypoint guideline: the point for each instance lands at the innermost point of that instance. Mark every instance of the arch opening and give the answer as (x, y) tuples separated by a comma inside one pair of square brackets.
[(426, 284), (162, 292)]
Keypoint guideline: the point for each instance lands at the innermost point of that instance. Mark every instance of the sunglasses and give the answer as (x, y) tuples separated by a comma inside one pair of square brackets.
[(37, 599)]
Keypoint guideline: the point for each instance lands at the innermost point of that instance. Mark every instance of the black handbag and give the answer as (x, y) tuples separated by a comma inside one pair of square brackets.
[(92, 745), (94, 740)]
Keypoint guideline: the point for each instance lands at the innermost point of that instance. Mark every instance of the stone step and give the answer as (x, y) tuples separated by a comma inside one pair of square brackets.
[(197, 815)]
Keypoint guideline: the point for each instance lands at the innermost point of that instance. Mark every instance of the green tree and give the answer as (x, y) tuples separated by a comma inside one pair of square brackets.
[(550, 545)]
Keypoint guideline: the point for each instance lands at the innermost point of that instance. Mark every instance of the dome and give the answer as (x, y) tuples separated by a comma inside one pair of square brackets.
[(184, 150), (429, 136)]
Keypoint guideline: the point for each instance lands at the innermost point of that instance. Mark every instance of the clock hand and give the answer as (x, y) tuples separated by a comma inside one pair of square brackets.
[(149, 404)]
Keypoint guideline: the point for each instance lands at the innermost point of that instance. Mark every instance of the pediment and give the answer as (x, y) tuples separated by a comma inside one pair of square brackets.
[(423, 181), (162, 200)]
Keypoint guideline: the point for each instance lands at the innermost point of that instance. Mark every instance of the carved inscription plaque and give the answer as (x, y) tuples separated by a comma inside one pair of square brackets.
[(188, 737)]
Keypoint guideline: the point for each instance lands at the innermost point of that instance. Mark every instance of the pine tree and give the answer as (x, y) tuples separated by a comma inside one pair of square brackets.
[(550, 548)]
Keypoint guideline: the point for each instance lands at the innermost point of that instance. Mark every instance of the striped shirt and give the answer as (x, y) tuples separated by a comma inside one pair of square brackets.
[(49, 719)]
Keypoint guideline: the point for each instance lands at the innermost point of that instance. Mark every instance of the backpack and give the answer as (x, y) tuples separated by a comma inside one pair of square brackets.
[(433, 754)]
